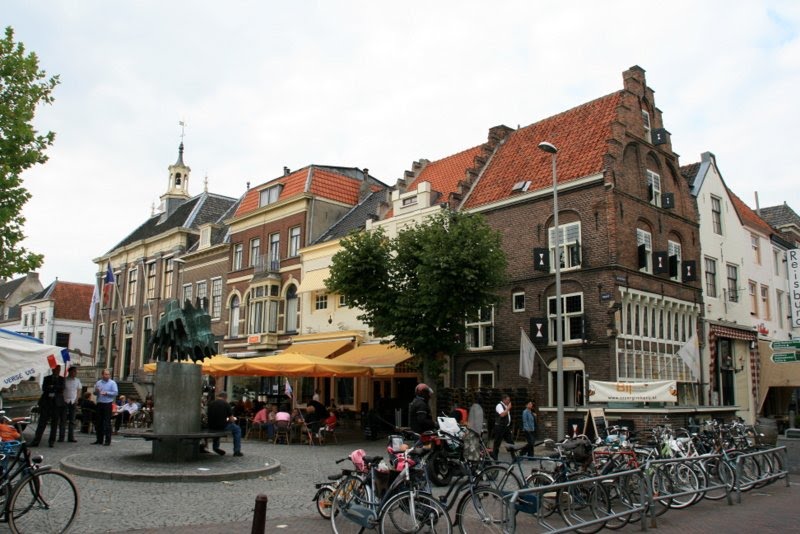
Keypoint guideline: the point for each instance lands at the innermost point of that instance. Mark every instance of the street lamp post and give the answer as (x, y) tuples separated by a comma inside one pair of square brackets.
[(560, 427)]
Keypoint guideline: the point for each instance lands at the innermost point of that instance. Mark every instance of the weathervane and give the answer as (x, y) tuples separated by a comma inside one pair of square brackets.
[(182, 124)]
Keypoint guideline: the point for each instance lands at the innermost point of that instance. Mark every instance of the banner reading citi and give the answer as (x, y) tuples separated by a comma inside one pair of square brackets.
[(660, 391)]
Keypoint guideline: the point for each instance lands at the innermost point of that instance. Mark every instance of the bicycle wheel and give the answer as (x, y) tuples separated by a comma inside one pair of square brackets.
[(351, 508), (582, 503), (501, 478), (46, 501), (751, 472), (684, 479), (547, 501), (719, 472), (481, 510), (410, 512), (323, 501)]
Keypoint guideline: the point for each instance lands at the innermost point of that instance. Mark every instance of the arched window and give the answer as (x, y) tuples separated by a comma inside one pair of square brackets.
[(292, 309)]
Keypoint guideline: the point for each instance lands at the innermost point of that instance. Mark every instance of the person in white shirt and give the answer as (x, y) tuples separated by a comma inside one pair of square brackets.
[(125, 413), (502, 425), (72, 389)]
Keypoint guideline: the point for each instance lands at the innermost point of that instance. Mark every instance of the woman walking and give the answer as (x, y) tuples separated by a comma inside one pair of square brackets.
[(529, 427)]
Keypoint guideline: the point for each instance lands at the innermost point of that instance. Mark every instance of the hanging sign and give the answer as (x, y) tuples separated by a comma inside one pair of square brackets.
[(660, 391), (793, 260)]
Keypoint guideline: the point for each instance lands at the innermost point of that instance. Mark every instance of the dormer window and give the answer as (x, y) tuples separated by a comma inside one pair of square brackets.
[(653, 188), (409, 201), (270, 195), (646, 124), (205, 237)]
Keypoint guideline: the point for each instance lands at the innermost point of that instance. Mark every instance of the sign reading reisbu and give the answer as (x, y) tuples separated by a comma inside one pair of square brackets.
[(793, 261), (789, 344)]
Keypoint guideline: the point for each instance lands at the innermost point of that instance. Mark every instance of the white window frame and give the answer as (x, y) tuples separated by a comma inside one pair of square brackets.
[(202, 291), (294, 241), (133, 275), (568, 335), (647, 127), (654, 184), (674, 249), (152, 272), (188, 293), (779, 306), (753, 291), (480, 330), (569, 242), (643, 237), (320, 301), (711, 286), (255, 251), (274, 251), (755, 243), (716, 214), (169, 278), (482, 382), (238, 252), (514, 306), (765, 304), (733, 282), (776, 259), (215, 306), (269, 195)]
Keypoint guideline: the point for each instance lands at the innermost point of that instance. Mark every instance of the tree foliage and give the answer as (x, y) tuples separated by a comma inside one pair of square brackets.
[(421, 286), (23, 86)]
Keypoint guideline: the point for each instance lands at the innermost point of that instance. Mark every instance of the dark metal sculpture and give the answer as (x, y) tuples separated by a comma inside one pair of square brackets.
[(183, 333)]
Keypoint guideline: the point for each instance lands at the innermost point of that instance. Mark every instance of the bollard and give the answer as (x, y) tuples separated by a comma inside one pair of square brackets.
[(260, 515)]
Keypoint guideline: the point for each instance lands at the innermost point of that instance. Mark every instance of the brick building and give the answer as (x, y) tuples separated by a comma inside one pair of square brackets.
[(629, 251)]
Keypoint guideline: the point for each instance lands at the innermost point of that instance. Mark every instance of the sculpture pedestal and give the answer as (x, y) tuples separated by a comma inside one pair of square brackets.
[(177, 411)]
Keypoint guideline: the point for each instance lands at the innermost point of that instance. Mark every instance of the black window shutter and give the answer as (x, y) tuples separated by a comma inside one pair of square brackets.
[(673, 266), (539, 330), (660, 265), (668, 200), (642, 252), (541, 259), (689, 269), (649, 192)]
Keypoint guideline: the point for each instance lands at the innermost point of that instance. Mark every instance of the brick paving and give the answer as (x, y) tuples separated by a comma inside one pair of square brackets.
[(161, 506)]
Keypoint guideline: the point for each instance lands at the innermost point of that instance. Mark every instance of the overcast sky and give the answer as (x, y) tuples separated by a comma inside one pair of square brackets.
[(262, 85)]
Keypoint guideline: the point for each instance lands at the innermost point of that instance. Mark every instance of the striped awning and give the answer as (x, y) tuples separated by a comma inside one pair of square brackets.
[(314, 280), (733, 333)]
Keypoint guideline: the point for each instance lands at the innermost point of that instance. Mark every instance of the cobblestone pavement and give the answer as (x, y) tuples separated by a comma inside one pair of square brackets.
[(109, 505)]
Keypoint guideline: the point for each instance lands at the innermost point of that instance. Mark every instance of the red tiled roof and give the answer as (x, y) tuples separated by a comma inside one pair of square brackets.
[(72, 300), (749, 217), (324, 183), (334, 186), (445, 174), (581, 136)]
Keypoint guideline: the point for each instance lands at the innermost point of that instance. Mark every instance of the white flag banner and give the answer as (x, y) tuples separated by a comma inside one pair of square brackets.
[(526, 353), (690, 354), (660, 391)]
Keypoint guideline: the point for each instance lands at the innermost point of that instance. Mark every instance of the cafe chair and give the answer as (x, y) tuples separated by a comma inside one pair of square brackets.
[(282, 433)]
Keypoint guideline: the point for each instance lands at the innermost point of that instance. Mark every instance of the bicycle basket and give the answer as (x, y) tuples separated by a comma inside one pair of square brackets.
[(472, 448), (384, 479)]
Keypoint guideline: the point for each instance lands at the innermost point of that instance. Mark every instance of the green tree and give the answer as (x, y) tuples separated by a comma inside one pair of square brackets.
[(421, 286), (23, 86)]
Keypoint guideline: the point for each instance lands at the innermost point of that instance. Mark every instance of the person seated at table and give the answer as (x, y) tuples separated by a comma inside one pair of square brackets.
[(88, 409), (125, 413), (316, 413), (261, 420), (331, 421)]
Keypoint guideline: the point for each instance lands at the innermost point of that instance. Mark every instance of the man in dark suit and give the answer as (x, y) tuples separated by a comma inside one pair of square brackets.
[(51, 403)]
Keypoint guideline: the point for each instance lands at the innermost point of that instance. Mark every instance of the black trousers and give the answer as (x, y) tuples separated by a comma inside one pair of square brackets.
[(51, 414), (530, 437), (501, 433), (103, 423)]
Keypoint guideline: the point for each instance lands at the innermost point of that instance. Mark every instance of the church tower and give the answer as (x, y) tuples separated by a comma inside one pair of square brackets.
[(178, 185)]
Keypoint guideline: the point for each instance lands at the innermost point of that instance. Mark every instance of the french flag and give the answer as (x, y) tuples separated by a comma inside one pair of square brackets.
[(108, 286)]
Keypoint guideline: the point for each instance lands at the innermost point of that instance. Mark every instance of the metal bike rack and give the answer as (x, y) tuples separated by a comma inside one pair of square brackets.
[(774, 475)]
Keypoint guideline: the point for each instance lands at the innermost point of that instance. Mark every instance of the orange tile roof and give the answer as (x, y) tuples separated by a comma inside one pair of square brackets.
[(72, 300), (445, 174), (325, 183), (581, 136), (749, 217)]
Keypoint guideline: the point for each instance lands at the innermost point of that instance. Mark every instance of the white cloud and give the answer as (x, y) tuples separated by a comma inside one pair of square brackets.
[(262, 85)]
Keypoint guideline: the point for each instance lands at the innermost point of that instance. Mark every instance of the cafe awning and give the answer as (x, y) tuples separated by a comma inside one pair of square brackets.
[(322, 349), (314, 280), (381, 357), (291, 365)]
